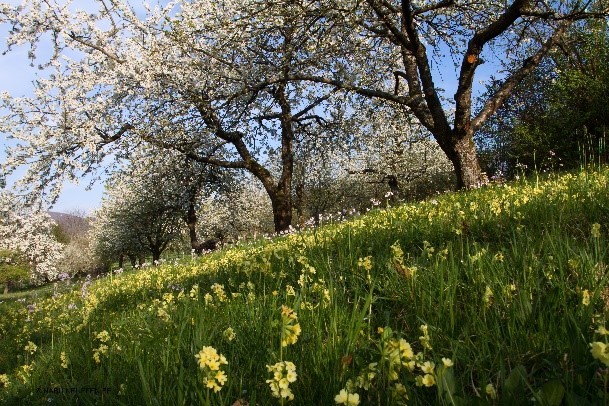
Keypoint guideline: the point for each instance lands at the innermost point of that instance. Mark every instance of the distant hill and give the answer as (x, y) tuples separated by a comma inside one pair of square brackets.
[(71, 225)]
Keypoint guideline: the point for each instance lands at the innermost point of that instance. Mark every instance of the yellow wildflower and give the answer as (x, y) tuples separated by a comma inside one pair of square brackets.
[(229, 334), (585, 297), (290, 330), (365, 263), (490, 391), (428, 367), (346, 398), (4, 381), (602, 331), (64, 360), (284, 373), (600, 352), (104, 337), (210, 362), (488, 296), (31, 347), (447, 362)]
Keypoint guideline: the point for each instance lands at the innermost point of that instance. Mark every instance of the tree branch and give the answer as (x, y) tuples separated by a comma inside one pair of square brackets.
[(433, 7), (82, 41), (107, 139), (492, 104), (471, 61)]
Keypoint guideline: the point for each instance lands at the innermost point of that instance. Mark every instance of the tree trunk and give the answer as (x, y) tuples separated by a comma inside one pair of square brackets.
[(121, 259), (156, 254), (282, 210), (461, 151), (7, 287), (191, 222)]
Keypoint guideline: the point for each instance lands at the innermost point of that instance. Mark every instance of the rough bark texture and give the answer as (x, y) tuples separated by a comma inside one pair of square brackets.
[(465, 161)]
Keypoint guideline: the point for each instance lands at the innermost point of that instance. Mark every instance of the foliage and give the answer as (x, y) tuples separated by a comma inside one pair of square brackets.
[(557, 118), (13, 268), (487, 297)]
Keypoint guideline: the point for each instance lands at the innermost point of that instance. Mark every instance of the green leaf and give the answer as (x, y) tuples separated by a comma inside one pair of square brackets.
[(446, 385), (514, 383), (552, 393)]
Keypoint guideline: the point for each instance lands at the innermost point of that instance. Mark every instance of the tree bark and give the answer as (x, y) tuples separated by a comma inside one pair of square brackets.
[(191, 223), (461, 151), (282, 210)]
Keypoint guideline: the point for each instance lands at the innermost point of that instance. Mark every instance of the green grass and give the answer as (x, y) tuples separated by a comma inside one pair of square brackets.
[(498, 276)]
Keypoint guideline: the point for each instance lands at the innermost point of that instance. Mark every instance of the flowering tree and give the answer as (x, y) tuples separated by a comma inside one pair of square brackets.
[(145, 208), (28, 231), (400, 153), (241, 211), (191, 77), (181, 183), (404, 47)]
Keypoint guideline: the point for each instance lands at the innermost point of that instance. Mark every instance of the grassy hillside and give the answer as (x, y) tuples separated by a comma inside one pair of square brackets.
[(491, 296)]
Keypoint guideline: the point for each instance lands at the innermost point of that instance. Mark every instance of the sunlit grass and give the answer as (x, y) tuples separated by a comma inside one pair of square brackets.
[(489, 296)]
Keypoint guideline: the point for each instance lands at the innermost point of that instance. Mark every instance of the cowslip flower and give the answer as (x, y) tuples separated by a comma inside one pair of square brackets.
[(428, 367), (488, 296), (219, 292), (229, 334), (290, 329), (4, 381), (284, 373), (424, 339), (346, 398), (365, 263), (447, 362), (600, 351), (64, 360), (104, 337), (602, 331), (210, 362), (426, 380), (596, 230)]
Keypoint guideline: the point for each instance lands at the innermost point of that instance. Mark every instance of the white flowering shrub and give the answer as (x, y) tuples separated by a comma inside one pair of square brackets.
[(29, 231)]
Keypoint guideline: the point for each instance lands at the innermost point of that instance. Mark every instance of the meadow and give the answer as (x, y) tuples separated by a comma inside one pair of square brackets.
[(492, 296)]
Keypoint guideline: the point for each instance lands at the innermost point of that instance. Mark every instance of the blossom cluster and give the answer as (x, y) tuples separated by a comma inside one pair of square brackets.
[(290, 328), (210, 363), (284, 373)]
